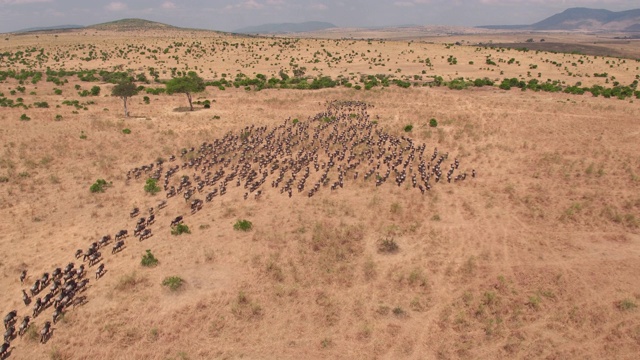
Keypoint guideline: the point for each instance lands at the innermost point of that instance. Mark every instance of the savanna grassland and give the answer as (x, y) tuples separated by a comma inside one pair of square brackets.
[(536, 257)]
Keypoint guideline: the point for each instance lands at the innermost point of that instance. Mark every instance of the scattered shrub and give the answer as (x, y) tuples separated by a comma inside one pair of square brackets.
[(243, 225), (173, 282), (24, 117), (126, 131), (152, 187), (98, 186), (58, 117), (408, 128), (388, 246), (626, 305), (180, 229), (433, 122), (149, 260)]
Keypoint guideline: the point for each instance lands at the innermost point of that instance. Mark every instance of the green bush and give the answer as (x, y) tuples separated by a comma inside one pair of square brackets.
[(99, 186), (149, 260), (152, 187), (433, 122), (408, 128), (146, 100), (243, 225), (95, 90), (180, 229), (126, 131), (173, 282), (42, 105), (24, 117)]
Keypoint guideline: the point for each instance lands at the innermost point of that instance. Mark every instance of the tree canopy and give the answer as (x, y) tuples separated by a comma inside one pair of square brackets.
[(191, 83), (125, 90)]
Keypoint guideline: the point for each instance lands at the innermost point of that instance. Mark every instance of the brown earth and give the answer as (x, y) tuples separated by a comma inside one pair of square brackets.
[(537, 257)]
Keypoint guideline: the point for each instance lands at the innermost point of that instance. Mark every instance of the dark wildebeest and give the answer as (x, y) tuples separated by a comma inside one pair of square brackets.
[(45, 333), (10, 318)]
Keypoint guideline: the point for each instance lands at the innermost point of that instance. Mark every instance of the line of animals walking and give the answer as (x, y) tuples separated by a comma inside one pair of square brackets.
[(338, 145)]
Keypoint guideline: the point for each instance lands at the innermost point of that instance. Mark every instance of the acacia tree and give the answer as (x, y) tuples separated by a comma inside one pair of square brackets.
[(125, 90), (189, 84)]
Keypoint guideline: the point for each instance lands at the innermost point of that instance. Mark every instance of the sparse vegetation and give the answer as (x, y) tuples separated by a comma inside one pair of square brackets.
[(626, 305), (151, 187), (148, 260), (173, 283), (180, 229), (243, 225), (99, 186), (388, 246)]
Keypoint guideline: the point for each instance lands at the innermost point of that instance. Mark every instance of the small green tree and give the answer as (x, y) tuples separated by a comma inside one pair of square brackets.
[(149, 260), (95, 91), (189, 84), (152, 186), (180, 229), (125, 90)]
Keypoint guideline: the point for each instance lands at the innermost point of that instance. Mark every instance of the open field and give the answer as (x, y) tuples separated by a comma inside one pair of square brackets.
[(536, 257)]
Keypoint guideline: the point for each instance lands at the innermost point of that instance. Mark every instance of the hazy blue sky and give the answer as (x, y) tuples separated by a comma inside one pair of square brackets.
[(230, 15)]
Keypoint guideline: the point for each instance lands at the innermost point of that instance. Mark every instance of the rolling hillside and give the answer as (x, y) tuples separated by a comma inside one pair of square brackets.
[(584, 19), (286, 28)]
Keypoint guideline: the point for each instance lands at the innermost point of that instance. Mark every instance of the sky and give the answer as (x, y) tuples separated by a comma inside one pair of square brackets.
[(228, 15)]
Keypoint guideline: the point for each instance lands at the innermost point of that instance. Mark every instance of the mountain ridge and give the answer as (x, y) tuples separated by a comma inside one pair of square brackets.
[(581, 18)]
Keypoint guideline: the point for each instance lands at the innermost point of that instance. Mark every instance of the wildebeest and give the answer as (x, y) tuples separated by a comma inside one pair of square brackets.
[(139, 229), (145, 234), (78, 253), (45, 332), (94, 258), (23, 327), (44, 280), (4, 349), (100, 271), (151, 219), (37, 306), (69, 267), (58, 312), (25, 298), (105, 240), (121, 234), (23, 275), (10, 333), (176, 221), (162, 204), (80, 272), (134, 212), (10, 318), (35, 289), (117, 247)]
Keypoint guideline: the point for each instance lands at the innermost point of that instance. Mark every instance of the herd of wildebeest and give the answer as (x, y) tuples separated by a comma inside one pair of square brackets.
[(342, 143)]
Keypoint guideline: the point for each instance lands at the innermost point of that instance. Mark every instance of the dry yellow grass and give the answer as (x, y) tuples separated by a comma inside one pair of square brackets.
[(535, 258)]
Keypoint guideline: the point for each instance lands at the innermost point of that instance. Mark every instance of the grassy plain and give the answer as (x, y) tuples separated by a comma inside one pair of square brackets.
[(537, 257)]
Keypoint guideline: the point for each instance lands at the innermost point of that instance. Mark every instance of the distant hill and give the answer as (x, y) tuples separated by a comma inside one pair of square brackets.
[(50, 28), (286, 28), (583, 19), (131, 24)]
